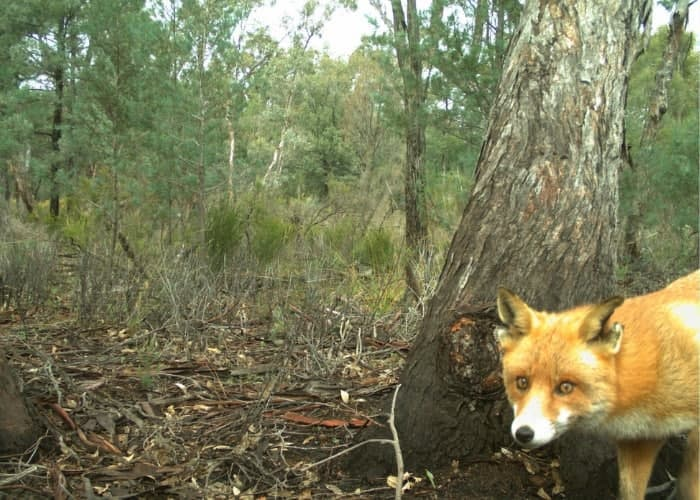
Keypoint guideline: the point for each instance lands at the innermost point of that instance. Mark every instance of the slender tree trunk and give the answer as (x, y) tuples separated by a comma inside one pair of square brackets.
[(406, 27), (231, 153), (201, 165), (541, 219), (481, 26), (57, 122), (658, 105), (274, 169)]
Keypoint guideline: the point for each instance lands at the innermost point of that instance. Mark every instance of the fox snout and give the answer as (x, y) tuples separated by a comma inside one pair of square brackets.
[(524, 435), (532, 428)]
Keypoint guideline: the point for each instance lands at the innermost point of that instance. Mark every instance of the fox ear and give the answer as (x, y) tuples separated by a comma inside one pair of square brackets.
[(514, 313), (594, 328)]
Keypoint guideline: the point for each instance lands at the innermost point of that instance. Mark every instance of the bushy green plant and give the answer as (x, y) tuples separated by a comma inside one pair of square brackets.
[(659, 196), (224, 233), (270, 235), (376, 250), (337, 239)]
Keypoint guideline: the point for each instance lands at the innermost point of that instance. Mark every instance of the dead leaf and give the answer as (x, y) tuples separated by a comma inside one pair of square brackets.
[(64, 415), (103, 444), (330, 422), (359, 422), (91, 385)]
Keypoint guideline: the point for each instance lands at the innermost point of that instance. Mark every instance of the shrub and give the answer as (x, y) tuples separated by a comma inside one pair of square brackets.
[(376, 250), (336, 240), (224, 232), (270, 236), (27, 265)]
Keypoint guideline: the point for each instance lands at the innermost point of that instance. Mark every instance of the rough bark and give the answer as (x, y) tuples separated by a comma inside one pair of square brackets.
[(541, 219), (18, 431)]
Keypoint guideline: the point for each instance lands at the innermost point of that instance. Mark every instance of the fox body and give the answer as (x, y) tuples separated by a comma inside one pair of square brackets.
[(625, 368)]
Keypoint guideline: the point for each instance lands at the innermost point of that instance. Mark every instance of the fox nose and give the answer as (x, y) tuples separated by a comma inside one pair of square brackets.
[(524, 434)]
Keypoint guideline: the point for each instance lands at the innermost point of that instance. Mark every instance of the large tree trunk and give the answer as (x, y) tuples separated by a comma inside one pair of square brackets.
[(541, 219), (18, 431)]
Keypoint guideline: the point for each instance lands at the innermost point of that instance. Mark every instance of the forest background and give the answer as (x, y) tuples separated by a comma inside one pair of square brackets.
[(170, 165), (150, 133)]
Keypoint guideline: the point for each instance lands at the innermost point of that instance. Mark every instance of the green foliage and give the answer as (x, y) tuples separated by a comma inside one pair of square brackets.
[(270, 235), (169, 107), (249, 226), (337, 240), (376, 250), (661, 190), (224, 233)]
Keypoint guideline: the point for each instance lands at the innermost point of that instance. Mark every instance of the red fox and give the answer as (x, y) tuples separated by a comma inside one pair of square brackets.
[(627, 369)]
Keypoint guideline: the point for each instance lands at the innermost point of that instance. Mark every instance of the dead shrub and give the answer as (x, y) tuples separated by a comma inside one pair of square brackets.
[(27, 264)]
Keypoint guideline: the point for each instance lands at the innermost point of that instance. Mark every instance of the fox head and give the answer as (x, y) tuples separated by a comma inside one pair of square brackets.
[(558, 368)]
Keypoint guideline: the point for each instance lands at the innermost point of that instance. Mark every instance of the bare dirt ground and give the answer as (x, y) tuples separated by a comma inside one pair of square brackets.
[(226, 412)]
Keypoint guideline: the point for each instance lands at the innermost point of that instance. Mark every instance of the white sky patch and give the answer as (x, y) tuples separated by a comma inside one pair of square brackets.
[(343, 32)]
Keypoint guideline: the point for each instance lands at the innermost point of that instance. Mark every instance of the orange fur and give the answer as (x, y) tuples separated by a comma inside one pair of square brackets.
[(628, 370)]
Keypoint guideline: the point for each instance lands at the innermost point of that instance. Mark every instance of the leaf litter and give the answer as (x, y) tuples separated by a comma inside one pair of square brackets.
[(223, 414)]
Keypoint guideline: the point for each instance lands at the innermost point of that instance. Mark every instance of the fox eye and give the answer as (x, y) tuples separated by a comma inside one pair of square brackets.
[(565, 388), (522, 383)]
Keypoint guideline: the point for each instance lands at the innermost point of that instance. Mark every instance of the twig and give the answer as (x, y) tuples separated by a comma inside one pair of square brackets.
[(13, 478), (54, 382), (668, 485), (346, 450), (397, 446), (394, 442)]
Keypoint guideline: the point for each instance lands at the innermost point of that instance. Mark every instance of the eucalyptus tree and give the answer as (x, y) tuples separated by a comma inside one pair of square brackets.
[(298, 59), (208, 30), (448, 57), (541, 217), (659, 192), (673, 59)]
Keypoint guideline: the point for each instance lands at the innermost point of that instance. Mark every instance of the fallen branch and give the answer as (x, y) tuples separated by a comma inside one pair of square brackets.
[(13, 478), (397, 446), (394, 442)]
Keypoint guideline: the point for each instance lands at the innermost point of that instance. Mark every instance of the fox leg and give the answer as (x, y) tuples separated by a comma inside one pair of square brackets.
[(635, 459), (688, 479)]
